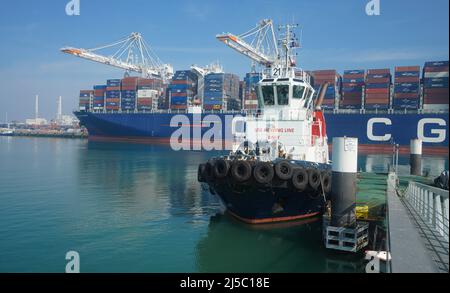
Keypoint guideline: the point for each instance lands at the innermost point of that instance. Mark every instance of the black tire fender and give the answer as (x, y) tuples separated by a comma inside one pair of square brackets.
[(314, 178), (283, 170), (300, 179), (263, 172), (221, 168), (241, 171)]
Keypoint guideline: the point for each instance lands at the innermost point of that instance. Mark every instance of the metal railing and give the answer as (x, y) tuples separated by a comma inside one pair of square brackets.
[(432, 204)]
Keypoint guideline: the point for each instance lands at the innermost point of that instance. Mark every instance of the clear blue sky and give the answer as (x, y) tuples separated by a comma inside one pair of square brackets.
[(336, 35)]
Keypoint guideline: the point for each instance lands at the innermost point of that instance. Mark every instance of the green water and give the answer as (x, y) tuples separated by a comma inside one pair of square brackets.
[(136, 208)]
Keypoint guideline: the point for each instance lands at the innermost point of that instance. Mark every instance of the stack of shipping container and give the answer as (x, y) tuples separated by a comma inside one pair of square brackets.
[(406, 88), (85, 99), (221, 92), (183, 90), (249, 90), (113, 95), (148, 93), (352, 89), (98, 102), (128, 93), (333, 91), (435, 83), (378, 89)]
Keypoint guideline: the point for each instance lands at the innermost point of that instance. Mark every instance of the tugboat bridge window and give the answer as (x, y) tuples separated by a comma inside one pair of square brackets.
[(298, 91), (283, 94), (268, 95)]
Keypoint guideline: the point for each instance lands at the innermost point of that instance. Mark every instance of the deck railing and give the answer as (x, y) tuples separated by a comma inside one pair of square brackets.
[(431, 204)]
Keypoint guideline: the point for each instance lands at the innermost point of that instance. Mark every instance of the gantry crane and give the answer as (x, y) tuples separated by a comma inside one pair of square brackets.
[(260, 44), (134, 54)]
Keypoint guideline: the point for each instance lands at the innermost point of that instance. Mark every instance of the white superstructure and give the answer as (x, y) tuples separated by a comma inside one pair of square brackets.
[(291, 124)]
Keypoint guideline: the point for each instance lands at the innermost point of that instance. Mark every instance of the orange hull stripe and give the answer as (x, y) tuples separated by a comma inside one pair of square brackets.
[(272, 220)]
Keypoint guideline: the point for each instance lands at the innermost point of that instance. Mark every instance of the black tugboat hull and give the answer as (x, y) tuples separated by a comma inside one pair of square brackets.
[(259, 205)]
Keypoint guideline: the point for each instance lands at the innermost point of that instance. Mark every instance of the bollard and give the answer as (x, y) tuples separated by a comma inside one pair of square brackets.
[(344, 176), (415, 157)]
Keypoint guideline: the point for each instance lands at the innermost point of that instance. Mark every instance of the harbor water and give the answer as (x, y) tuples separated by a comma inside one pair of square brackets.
[(139, 208)]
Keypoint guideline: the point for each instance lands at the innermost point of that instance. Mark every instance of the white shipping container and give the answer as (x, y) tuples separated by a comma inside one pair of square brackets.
[(251, 102), (436, 74), (436, 107), (147, 93)]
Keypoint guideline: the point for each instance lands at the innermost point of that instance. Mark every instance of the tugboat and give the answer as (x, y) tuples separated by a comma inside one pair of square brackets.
[(279, 168)]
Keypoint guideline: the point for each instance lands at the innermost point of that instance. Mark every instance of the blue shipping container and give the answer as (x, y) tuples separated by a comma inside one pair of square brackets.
[(357, 71), (378, 85), (436, 63), (408, 74), (113, 82), (99, 87), (353, 80), (406, 103)]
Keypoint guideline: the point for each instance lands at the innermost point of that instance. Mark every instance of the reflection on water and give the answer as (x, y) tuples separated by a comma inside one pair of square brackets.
[(233, 246), (379, 163), (139, 208)]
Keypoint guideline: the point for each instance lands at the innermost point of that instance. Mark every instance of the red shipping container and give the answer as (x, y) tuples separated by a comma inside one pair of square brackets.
[(372, 101), (406, 95), (378, 80), (179, 94), (142, 101), (437, 69), (437, 91), (182, 81), (129, 88), (113, 88), (407, 79), (376, 96), (108, 107), (99, 93), (379, 71), (407, 68), (354, 76), (437, 96), (113, 100), (178, 107), (359, 84), (378, 91), (325, 72), (434, 101), (351, 101), (353, 95), (328, 102)]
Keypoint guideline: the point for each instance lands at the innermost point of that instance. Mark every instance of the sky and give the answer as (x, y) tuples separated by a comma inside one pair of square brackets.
[(335, 34)]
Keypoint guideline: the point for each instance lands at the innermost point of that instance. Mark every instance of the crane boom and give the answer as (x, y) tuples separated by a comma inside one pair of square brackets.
[(85, 54), (262, 48), (133, 55)]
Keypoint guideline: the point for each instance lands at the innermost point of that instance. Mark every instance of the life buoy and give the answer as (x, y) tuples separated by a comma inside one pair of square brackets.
[(201, 173), (283, 170), (314, 178), (221, 168), (263, 172), (326, 181), (241, 171), (300, 179)]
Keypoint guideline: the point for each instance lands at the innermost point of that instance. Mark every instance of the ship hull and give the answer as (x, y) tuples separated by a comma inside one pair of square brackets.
[(376, 132), (255, 205)]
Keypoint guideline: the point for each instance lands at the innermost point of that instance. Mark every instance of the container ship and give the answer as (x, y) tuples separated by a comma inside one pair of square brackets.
[(377, 106)]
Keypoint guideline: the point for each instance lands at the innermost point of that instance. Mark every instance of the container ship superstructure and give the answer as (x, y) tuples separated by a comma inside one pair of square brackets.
[(379, 107)]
